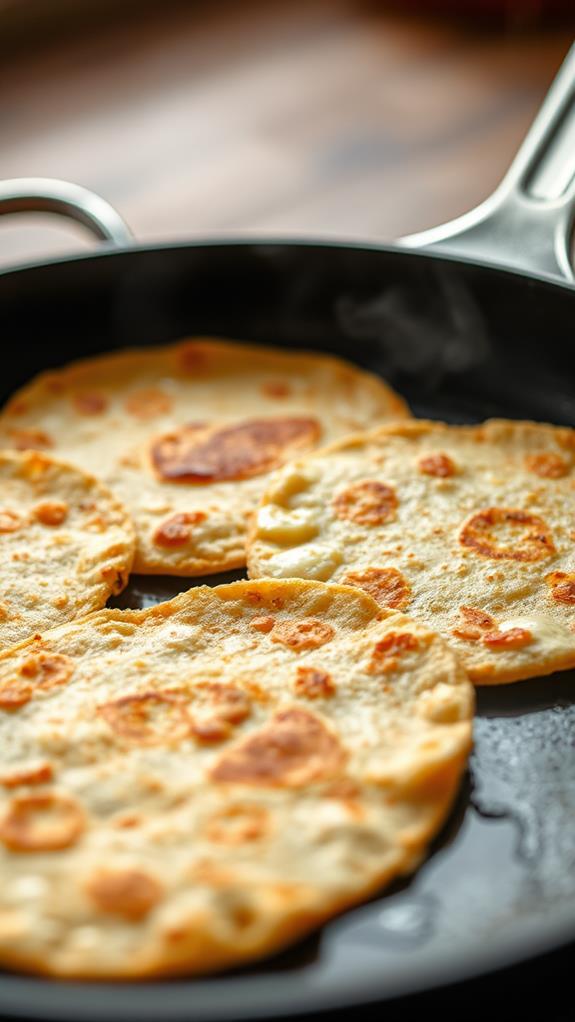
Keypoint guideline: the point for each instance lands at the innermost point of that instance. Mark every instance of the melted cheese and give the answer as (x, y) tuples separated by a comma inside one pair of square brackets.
[(542, 628), (280, 526), (287, 483), (312, 560)]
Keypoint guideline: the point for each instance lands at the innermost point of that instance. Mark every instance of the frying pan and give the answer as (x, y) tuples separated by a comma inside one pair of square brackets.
[(472, 319)]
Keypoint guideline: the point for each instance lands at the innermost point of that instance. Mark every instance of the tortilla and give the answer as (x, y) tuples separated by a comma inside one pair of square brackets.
[(469, 528), (66, 544), (209, 779), (185, 435)]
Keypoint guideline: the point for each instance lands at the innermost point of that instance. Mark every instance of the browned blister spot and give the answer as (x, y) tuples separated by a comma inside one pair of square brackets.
[(177, 530), (507, 534), (41, 823), (128, 893), (440, 465), (386, 585), (147, 718), (193, 359), (47, 670), (9, 521), (14, 693), (17, 408), (262, 624), (238, 824), (386, 652), (55, 384), (276, 389), (38, 672), (36, 465), (89, 402), (217, 709), (313, 683), (343, 788), (255, 691), (366, 503), (473, 623), (127, 821), (308, 633), (562, 587), (231, 452), (210, 730), (38, 773), (98, 521), (512, 638), (229, 702), (547, 466), (147, 403), (30, 439), (295, 748), (51, 512)]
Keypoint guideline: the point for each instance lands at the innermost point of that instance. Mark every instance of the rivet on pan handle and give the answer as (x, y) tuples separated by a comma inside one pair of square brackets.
[(527, 223), (47, 195)]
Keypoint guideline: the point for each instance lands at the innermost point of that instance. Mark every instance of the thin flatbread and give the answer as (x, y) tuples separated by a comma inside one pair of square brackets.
[(208, 780), (186, 434), (66, 544), (469, 528)]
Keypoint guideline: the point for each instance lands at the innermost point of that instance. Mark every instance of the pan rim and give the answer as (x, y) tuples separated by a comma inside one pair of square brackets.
[(108, 250)]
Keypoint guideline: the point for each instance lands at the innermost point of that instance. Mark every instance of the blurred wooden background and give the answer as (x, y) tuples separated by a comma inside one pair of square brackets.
[(320, 117)]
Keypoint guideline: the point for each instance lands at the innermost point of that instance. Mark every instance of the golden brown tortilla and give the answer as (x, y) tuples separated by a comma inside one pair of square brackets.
[(197, 785), (185, 435)]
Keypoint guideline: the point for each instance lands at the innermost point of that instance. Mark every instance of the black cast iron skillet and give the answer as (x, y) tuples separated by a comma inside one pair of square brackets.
[(471, 320)]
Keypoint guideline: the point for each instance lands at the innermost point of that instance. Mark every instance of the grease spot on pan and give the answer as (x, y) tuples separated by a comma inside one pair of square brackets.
[(408, 921), (524, 768)]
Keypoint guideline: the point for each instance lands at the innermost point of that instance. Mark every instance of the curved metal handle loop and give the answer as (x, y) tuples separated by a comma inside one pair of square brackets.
[(527, 223), (48, 195)]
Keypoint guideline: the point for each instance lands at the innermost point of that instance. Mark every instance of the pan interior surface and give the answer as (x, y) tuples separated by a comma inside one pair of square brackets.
[(461, 343)]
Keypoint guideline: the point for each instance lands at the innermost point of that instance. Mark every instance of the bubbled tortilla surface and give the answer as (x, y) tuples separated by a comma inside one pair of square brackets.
[(205, 781), (185, 435), (66, 544), (470, 529)]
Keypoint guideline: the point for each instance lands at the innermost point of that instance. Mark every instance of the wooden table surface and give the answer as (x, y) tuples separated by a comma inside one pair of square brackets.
[(321, 117)]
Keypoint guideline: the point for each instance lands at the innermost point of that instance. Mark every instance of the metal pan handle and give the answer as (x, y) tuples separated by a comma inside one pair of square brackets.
[(527, 223), (47, 195)]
